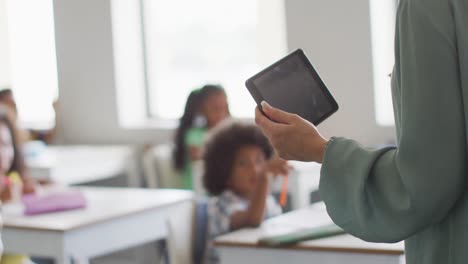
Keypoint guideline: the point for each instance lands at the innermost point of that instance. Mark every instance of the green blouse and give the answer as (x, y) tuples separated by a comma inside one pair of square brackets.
[(418, 191)]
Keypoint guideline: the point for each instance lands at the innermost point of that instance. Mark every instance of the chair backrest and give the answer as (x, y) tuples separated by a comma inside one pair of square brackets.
[(200, 231), (159, 169), (197, 175), (186, 243), (180, 235), (160, 173)]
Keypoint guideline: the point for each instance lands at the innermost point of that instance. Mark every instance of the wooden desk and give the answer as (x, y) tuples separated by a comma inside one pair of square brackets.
[(80, 164), (241, 246), (115, 219)]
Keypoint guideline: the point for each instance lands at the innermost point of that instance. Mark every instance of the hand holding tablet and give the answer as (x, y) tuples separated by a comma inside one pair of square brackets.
[(293, 85)]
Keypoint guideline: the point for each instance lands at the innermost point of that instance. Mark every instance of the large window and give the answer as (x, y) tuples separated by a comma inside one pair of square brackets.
[(383, 13), (189, 43), (185, 44), (31, 59)]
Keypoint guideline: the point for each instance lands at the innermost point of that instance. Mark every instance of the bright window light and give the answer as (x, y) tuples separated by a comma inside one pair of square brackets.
[(32, 60), (128, 62), (207, 41), (383, 32)]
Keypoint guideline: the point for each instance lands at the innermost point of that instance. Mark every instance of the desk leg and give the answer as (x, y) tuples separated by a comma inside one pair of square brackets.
[(151, 253), (80, 260), (133, 177), (63, 260)]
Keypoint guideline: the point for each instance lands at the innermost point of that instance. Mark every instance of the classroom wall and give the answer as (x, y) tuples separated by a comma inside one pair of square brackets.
[(334, 33), (86, 77), (336, 36)]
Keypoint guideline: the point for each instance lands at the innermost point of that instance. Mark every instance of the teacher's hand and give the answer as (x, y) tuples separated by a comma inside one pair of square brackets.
[(293, 137)]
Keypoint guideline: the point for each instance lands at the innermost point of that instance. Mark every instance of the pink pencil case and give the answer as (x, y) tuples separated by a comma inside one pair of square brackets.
[(54, 202)]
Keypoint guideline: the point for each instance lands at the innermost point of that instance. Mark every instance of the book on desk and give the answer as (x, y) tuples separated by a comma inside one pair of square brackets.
[(301, 235)]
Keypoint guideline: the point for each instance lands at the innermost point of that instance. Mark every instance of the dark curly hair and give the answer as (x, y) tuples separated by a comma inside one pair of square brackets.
[(220, 150)]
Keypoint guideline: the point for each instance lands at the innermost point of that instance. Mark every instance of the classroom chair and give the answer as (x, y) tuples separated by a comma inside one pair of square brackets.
[(158, 167), (187, 234), (160, 173)]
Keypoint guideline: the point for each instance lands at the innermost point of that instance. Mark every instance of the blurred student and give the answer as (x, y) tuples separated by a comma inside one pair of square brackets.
[(47, 136), (204, 109), (7, 99), (15, 179), (239, 166)]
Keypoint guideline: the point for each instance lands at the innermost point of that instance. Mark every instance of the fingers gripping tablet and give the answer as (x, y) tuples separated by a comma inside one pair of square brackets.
[(292, 85)]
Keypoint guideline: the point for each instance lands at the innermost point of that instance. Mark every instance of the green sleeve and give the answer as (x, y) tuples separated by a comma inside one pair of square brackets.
[(389, 194)]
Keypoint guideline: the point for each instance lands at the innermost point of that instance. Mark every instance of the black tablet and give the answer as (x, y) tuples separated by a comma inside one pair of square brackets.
[(292, 84)]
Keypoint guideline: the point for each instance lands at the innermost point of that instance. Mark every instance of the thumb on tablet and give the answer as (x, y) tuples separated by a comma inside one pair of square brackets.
[(276, 114)]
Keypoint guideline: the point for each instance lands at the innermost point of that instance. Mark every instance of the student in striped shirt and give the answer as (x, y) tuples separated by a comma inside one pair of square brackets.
[(239, 165)]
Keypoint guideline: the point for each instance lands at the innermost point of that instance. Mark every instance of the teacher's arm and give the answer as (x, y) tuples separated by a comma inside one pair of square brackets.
[(389, 194)]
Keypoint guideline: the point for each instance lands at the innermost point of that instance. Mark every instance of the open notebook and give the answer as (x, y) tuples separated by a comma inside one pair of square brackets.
[(301, 235)]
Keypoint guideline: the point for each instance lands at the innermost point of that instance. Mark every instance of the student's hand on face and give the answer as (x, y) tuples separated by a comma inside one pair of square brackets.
[(278, 166), (264, 176), (293, 137)]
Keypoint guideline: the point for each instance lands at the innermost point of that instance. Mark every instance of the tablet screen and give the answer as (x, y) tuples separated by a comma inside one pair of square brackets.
[(291, 86)]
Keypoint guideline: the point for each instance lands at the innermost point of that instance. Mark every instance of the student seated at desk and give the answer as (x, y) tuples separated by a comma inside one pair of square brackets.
[(238, 169), (204, 109), (15, 179), (12, 165)]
